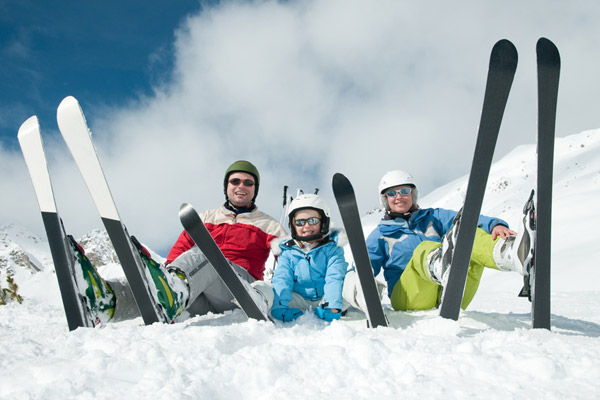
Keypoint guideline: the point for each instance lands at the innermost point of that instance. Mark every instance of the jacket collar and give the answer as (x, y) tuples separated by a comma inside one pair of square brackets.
[(237, 211)]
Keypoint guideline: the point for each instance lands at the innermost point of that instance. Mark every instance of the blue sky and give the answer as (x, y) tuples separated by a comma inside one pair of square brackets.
[(173, 93), (108, 52)]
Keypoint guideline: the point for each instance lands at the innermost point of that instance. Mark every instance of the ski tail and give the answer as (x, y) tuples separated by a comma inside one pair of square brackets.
[(346, 200), (502, 67), (548, 70)]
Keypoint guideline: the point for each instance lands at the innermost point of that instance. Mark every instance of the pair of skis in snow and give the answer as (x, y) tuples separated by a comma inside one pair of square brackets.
[(502, 67), (503, 64), (131, 254)]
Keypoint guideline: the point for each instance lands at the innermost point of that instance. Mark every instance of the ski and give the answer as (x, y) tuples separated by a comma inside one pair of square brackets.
[(75, 132), (62, 247), (346, 201), (240, 289), (502, 67), (548, 70)]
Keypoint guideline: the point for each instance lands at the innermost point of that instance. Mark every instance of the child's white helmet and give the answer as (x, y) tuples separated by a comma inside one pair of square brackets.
[(311, 202)]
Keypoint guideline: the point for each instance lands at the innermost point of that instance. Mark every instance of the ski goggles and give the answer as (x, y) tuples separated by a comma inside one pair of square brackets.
[(311, 221), (402, 191), (237, 181)]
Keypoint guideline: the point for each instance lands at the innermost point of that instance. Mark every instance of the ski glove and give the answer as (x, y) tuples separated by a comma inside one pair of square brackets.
[(325, 313), (286, 314)]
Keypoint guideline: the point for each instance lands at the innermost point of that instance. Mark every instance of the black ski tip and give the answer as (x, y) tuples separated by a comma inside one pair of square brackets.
[(341, 184), (505, 53), (338, 177), (186, 211), (185, 206), (547, 52), (340, 180), (188, 216)]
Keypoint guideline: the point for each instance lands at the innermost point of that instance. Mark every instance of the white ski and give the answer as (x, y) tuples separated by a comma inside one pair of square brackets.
[(63, 255), (75, 132)]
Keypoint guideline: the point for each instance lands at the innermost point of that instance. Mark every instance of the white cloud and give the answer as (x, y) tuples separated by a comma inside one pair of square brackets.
[(306, 89)]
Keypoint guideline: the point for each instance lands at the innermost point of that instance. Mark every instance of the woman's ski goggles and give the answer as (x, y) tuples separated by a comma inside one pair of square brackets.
[(237, 181), (311, 221), (402, 191)]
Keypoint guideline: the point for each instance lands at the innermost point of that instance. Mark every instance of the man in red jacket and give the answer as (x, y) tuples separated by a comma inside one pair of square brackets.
[(242, 232)]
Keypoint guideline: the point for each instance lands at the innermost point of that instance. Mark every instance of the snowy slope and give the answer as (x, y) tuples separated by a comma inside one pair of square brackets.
[(22, 255), (575, 212), (576, 193), (491, 352)]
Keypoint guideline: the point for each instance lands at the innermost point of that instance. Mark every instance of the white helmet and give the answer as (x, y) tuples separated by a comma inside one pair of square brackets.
[(312, 202), (397, 178)]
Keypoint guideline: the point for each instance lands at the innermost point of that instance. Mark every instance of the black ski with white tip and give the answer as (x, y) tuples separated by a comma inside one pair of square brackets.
[(240, 289), (346, 201), (502, 67), (61, 246), (75, 132)]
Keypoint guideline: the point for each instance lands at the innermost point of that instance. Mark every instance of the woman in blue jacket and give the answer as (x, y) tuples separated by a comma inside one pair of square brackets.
[(414, 247), (311, 266)]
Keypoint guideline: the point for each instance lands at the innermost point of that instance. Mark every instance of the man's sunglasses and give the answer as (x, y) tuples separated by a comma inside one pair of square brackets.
[(394, 192), (237, 181), (311, 221)]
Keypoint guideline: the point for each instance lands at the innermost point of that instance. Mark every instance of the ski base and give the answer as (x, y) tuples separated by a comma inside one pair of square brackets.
[(502, 67), (548, 69), (346, 200)]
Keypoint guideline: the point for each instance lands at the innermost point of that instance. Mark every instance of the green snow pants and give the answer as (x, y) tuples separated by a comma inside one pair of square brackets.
[(416, 291)]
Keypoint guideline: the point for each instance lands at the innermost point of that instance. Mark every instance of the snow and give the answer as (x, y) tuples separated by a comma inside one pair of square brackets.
[(490, 352)]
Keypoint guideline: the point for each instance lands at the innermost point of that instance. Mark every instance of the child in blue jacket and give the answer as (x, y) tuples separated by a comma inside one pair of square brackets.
[(311, 266)]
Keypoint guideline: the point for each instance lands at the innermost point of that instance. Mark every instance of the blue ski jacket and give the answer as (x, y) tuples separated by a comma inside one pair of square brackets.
[(315, 275), (392, 242)]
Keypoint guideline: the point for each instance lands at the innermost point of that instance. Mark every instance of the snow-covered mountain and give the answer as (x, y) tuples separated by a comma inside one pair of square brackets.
[(21, 255), (490, 352), (576, 192)]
